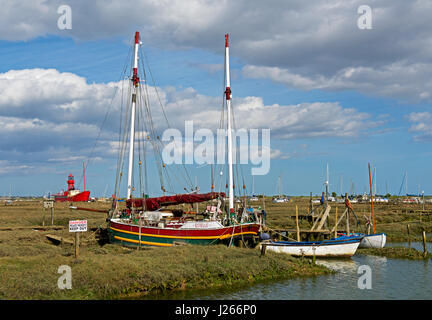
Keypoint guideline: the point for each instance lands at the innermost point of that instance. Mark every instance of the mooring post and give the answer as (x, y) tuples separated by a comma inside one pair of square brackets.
[(52, 216), (263, 249), (76, 245), (347, 216), (336, 224), (423, 201), (425, 252), (297, 225), (140, 225)]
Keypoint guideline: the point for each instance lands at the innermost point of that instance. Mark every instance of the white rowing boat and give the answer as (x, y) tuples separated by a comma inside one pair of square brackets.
[(373, 241), (344, 246)]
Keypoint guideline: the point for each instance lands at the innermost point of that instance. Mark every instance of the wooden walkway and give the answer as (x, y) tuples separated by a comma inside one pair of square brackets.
[(305, 235), (43, 228)]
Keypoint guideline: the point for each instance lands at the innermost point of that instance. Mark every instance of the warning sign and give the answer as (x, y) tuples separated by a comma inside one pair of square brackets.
[(78, 226)]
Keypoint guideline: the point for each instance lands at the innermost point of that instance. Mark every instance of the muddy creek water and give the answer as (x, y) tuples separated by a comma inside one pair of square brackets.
[(390, 279)]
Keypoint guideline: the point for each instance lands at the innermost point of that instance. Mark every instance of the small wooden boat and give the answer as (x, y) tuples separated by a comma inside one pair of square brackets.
[(373, 241), (344, 246)]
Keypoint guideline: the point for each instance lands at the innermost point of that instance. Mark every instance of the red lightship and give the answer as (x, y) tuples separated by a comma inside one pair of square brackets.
[(72, 194)]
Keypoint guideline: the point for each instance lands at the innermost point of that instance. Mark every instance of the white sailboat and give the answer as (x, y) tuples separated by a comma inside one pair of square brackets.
[(375, 240), (280, 198)]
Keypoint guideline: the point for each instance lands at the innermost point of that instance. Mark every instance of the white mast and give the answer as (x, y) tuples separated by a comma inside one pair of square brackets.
[(279, 186), (327, 183), (406, 182), (228, 100), (135, 81), (253, 185)]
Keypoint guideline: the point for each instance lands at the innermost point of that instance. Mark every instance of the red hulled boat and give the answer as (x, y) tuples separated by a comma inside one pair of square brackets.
[(144, 221), (72, 194)]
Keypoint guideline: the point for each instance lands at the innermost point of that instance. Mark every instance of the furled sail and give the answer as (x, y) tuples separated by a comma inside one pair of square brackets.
[(158, 202)]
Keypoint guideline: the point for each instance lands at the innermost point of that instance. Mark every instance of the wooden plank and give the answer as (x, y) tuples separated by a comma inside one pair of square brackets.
[(324, 218), (340, 219), (317, 220), (33, 227), (57, 240)]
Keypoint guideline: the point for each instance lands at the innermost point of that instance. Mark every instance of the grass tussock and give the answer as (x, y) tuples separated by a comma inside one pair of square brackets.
[(29, 262), (395, 253), (112, 271)]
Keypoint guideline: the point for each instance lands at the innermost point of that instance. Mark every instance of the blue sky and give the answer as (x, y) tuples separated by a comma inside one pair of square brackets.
[(389, 126)]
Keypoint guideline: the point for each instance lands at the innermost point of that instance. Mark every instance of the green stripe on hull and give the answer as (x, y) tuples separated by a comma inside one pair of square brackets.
[(133, 240)]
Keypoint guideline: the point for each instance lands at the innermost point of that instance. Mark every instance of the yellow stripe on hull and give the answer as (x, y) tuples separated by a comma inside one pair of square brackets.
[(144, 242), (183, 237)]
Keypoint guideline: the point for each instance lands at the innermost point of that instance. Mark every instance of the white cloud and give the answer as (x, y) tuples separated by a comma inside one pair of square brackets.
[(57, 116), (403, 80), (421, 125), (10, 167), (310, 45)]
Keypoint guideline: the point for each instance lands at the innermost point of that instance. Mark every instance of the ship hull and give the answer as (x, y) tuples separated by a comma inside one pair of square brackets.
[(373, 241), (342, 247), (130, 235), (80, 197)]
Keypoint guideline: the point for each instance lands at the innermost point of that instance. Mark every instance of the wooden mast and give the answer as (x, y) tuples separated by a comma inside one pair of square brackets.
[(84, 174), (371, 194), (135, 81), (228, 101)]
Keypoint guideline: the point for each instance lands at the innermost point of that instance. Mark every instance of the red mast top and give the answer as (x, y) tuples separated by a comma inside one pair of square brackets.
[(135, 78), (228, 89)]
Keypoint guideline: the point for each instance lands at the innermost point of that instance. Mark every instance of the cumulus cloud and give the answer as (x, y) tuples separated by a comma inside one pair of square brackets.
[(408, 82), (47, 115), (421, 125), (10, 167), (304, 44)]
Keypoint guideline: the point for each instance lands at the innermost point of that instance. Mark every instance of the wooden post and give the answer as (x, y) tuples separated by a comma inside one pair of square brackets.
[(335, 228), (311, 208), (372, 207), (241, 243), (323, 218), (423, 201), (139, 235), (408, 232), (347, 217), (310, 203), (52, 216), (425, 252), (263, 249), (297, 225), (313, 257), (325, 206), (76, 245)]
